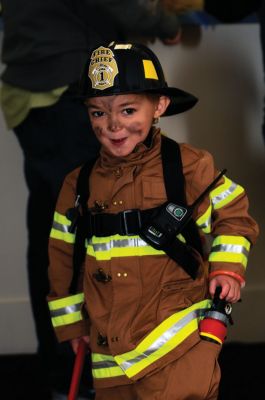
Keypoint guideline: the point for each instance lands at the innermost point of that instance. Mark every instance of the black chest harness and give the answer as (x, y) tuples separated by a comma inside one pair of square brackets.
[(157, 226)]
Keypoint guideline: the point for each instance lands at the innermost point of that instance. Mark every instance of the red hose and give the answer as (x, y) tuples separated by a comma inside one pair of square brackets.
[(77, 370)]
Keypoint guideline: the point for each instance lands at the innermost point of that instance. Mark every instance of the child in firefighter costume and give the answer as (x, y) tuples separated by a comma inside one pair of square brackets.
[(145, 287)]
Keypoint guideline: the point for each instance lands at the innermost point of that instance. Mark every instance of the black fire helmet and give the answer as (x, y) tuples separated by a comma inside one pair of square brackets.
[(122, 68)]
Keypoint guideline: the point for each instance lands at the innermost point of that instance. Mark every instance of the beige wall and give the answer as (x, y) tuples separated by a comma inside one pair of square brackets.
[(224, 70)]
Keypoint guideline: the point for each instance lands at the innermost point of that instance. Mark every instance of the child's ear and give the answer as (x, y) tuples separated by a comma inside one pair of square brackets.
[(162, 105)]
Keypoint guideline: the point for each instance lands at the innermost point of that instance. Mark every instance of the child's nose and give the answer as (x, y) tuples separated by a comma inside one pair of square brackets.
[(114, 124)]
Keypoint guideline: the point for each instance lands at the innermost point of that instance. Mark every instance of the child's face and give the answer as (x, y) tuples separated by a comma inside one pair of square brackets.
[(121, 122)]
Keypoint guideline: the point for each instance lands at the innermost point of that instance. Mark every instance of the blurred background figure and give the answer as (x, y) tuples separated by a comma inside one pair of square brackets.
[(44, 47)]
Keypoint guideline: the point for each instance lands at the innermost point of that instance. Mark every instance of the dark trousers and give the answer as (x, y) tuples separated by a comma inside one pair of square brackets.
[(54, 141)]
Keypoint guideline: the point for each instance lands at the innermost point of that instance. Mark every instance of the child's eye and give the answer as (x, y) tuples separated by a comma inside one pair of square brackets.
[(97, 114), (129, 111)]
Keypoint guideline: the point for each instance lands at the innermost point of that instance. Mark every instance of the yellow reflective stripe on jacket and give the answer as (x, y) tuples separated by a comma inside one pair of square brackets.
[(230, 249), (105, 248), (60, 228), (205, 220), (220, 197), (168, 335), (67, 310), (104, 366), (225, 193)]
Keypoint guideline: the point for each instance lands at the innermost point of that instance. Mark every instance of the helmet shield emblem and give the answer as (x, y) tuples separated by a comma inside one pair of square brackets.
[(102, 68)]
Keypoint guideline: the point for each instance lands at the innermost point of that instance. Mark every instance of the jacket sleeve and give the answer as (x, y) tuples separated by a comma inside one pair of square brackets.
[(223, 214), (142, 17), (67, 310)]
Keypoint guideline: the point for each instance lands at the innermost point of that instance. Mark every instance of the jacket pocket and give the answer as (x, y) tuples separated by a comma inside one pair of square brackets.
[(154, 193), (177, 295)]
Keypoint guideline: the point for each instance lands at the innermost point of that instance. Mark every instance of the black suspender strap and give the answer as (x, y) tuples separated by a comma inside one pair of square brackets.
[(78, 218), (172, 170), (175, 187), (174, 180)]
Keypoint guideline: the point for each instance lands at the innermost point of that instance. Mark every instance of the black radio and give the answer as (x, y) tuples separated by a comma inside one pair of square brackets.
[(170, 219)]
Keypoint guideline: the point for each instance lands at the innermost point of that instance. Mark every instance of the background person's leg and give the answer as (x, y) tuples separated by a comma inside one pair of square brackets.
[(54, 140)]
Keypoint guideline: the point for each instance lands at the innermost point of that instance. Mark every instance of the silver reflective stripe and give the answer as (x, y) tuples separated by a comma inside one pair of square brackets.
[(60, 227), (104, 364), (65, 310), (112, 244), (230, 248), (205, 224), (224, 194), (164, 338)]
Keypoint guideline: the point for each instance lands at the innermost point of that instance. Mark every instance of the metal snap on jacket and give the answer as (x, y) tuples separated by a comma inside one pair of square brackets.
[(102, 276)]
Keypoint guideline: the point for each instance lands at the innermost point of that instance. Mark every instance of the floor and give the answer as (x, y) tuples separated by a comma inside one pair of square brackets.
[(242, 376)]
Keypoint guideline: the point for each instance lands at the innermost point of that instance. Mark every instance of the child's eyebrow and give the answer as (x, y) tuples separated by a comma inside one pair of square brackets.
[(91, 105), (127, 104)]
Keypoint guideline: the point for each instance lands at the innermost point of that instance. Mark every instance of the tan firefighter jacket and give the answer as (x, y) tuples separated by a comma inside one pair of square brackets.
[(146, 313)]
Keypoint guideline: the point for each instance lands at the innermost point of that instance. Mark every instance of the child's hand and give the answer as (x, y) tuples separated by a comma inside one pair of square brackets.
[(231, 289), (75, 342)]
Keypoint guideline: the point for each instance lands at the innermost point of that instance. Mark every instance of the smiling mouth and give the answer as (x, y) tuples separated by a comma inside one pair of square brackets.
[(118, 142)]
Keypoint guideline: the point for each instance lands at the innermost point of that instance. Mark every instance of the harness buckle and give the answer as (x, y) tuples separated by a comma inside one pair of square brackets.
[(131, 222)]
